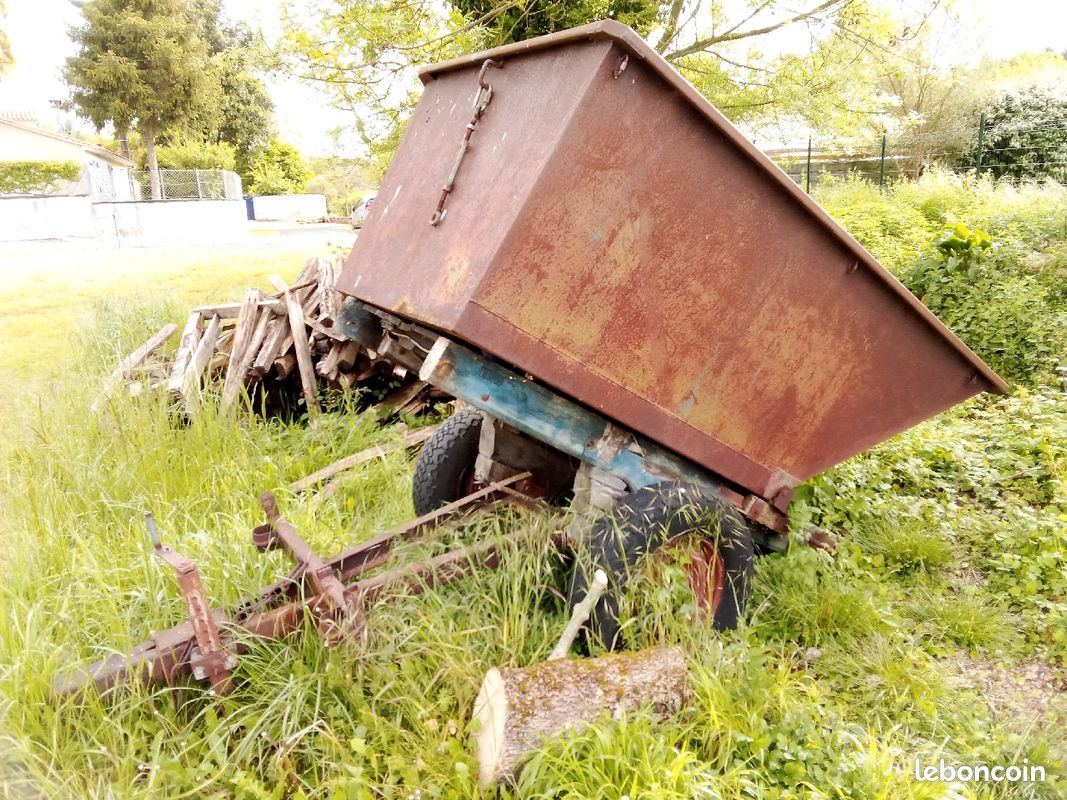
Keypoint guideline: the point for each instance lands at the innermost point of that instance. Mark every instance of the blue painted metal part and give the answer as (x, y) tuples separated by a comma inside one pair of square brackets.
[(573, 429), (557, 421)]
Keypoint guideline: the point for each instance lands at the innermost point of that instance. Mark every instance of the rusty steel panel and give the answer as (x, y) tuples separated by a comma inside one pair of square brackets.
[(610, 233)]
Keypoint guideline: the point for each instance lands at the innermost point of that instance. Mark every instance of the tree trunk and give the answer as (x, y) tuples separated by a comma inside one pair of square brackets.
[(518, 708), (148, 130)]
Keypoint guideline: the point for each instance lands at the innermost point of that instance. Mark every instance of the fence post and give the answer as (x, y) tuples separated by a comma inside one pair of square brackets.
[(807, 172), (881, 167), (199, 191), (981, 141)]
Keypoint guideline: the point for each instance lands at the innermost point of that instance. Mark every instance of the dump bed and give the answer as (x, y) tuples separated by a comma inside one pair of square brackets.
[(613, 235)]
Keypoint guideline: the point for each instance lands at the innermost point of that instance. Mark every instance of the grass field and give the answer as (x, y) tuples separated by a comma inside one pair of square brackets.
[(937, 630)]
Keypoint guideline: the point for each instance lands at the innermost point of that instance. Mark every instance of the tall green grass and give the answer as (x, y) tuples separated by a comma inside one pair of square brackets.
[(844, 672)]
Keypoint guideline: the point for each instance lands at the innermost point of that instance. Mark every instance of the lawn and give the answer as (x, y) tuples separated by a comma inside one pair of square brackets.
[(938, 629)]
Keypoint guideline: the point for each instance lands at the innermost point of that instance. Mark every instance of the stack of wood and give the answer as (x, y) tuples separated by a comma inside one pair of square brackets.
[(284, 344)]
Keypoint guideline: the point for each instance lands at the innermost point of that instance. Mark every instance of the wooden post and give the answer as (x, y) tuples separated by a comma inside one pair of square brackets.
[(981, 143), (300, 345), (807, 178), (881, 167)]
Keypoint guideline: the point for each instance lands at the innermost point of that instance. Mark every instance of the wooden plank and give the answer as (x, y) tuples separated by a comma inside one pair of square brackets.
[(134, 360), (284, 365), (272, 346), (346, 359), (377, 451), (198, 363), (395, 401), (300, 344), (329, 300), (327, 366), (232, 310), (186, 346), (247, 321), (240, 365)]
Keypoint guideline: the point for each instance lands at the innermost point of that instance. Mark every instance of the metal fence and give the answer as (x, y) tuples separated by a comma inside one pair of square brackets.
[(187, 184), (1020, 153)]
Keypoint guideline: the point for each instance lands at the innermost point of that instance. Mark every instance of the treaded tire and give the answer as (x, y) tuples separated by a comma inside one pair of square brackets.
[(446, 462), (642, 523)]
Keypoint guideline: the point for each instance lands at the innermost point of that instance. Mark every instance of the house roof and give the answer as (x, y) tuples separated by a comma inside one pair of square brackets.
[(92, 149)]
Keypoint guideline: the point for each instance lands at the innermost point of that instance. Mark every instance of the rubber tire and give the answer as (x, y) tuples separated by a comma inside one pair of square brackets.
[(643, 522), (446, 461)]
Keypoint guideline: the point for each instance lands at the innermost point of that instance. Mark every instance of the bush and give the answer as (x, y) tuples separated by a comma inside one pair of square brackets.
[(278, 169), (194, 155), (36, 177)]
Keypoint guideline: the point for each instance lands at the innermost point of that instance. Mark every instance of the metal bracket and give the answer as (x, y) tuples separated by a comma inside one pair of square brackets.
[(209, 659), (335, 616)]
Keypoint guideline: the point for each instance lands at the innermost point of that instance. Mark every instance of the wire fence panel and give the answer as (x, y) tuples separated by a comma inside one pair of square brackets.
[(1018, 153), (188, 184)]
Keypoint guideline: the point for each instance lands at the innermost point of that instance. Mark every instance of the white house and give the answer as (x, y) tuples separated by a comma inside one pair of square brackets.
[(105, 175)]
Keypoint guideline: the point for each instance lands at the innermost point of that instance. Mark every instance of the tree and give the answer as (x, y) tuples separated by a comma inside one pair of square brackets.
[(245, 116), (7, 58), (1025, 137), (364, 51), (279, 169), (142, 64)]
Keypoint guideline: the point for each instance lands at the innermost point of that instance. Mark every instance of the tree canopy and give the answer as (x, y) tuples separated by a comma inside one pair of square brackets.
[(363, 51), (143, 64), (7, 58)]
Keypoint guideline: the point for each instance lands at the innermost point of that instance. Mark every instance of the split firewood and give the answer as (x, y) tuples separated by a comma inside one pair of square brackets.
[(255, 344), (133, 360), (283, 367), (186, 345), (300, 345), (272, 347), (517, 708), (243, 334), (348, 462), (199, 361)]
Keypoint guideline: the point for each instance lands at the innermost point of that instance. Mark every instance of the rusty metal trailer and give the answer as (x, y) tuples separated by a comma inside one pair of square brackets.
[(605, 230), (576, 243), (639, 312)]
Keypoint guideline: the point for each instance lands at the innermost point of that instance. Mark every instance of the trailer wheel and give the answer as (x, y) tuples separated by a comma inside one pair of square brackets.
[(445, 467), (650, 522)]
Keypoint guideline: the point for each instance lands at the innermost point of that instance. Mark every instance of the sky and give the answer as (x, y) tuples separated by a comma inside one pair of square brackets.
[(38, 33)]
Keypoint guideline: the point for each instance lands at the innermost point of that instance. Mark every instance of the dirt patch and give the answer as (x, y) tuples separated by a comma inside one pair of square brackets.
[(1024, 694)]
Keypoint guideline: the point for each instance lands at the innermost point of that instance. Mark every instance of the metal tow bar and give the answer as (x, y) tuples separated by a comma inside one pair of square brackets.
[(481, 102)]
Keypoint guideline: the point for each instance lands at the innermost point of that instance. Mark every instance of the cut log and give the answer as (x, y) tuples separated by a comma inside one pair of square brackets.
[(186, 346), (517, 708), (347, 463), (300, 344)]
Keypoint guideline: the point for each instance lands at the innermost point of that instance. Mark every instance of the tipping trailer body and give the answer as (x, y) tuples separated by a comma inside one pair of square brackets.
[(611, 234)]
